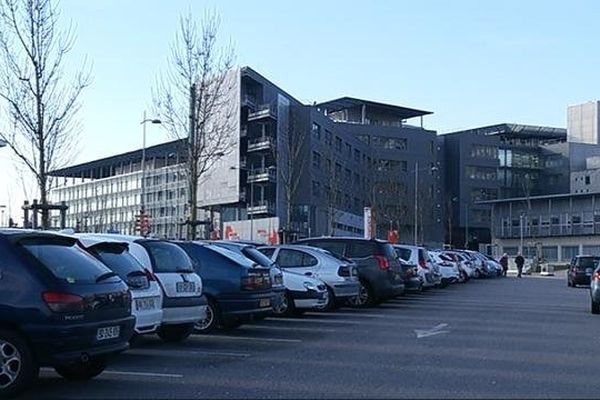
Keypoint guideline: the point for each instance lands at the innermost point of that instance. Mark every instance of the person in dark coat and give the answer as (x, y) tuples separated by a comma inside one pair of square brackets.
[(504, 263), (519, 261)]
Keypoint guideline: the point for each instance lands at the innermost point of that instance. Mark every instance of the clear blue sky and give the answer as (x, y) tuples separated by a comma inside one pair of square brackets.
[(470, 62)]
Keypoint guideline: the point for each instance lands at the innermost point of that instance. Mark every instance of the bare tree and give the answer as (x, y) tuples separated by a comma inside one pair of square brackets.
[(39, 99), (194, 101)]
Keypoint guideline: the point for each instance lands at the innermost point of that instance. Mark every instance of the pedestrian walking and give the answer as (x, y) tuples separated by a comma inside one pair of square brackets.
[(504, 263), (519, 260)]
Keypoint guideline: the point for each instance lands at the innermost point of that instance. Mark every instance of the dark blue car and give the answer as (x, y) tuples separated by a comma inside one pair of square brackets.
[(59, 307), (236, 287)]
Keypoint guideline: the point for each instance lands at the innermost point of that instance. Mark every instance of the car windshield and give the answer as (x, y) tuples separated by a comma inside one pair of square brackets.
[(117, 258), (253, 254), (588, 262), (168, 257), (403, 253), (64, 259)]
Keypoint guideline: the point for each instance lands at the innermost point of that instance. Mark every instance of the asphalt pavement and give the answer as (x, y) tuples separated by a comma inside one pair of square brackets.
[(499, 338)]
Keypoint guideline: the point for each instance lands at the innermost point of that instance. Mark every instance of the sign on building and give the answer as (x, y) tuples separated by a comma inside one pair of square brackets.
[(263, 230)]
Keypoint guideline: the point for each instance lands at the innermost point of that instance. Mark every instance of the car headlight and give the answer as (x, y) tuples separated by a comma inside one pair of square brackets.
[(310, 286)]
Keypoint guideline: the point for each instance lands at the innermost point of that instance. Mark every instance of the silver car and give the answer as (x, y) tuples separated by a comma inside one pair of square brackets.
[(340, 276)]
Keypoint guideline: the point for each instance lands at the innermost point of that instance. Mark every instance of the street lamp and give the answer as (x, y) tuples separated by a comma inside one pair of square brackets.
[(416, 222), (143, 123)]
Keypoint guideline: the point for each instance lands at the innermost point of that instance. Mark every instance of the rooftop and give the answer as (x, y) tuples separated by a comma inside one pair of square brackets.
[(520, 130), (544, 197), (351, 102)]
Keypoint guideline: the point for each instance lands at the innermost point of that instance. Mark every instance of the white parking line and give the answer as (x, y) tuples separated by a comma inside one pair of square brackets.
[(289, 328), (224, 337), (171, 352), (323, 321), (132, 373)]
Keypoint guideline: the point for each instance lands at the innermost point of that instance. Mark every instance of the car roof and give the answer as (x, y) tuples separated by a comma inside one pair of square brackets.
[(88, 240), (340, 238)]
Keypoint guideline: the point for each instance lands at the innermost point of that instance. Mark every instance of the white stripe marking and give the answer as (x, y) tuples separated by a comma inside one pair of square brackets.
[(288, 328), (172, 352), (252, 339), (133, 373)]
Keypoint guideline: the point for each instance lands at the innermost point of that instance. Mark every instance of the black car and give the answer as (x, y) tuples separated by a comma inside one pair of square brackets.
[(237, 288), (59, 307), (379, 270), (581, 269)]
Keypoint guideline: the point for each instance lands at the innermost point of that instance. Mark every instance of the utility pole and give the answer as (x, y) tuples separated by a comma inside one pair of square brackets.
[(416, 222)]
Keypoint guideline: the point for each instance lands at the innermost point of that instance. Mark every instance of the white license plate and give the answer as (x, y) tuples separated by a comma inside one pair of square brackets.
[(185, 287), (265, 302), (109, 332), (145, 304)]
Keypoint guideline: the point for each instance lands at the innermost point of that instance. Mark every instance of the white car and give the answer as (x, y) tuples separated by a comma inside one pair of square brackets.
[(449, 270), (303, 293), (183, 303), (464, 263), (428, 270), (146, 296), (340, 276)]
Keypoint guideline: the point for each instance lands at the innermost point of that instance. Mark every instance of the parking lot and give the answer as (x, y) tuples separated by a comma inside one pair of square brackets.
[(510, 337)]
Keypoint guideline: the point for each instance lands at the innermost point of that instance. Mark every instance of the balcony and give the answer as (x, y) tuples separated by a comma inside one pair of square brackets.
[(261, 144), (263, 207), (262, 175), (263, 111), (249, 101)]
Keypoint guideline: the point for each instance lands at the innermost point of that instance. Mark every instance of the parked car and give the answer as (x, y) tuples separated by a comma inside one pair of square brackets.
[(279, 302), (237, 289), (480, 264), (59, 307), (464, 263), (581, 269), (595, 291), (379, 271), (146, 302), (183, 302), (493, 264), (340, 276), (427, 269), (448, 269)]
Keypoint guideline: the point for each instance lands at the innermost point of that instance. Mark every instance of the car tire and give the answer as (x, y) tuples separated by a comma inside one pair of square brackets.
[(365, 296), (283, 307), (332, 302), (476, 274), (19, 368), (595, 307), (82, 371), (175, 333), (212, 320)]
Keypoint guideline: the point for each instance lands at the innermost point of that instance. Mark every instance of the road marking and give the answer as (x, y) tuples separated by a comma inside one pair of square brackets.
[(252, 339), (132, 373), (288, 328), (323, 321), (171, 352), (436, 330)]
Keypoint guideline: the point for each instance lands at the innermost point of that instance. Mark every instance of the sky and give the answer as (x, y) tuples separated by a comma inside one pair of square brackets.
[(472, 63)]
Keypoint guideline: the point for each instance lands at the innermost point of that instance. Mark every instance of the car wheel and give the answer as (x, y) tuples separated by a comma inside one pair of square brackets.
[(476, 274), (18, 366), (283, 305), (175, 333), (211, 321), (82, 371), (331, 304), (569, 284), (365, 296), (595, 307)]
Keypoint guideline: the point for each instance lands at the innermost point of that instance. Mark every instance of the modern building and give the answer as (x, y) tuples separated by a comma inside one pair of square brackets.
[(582, 123), (496, 162), (303, 169)]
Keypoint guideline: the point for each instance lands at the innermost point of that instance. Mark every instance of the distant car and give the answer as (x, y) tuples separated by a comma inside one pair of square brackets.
[(480, 263), (183, 303), (59, 307), (237, 288), (248, 249), (340, 276), (146, 302), (379, 272), (581, 269), (595, 291), (464, 263), (428, 270), (448, 269)]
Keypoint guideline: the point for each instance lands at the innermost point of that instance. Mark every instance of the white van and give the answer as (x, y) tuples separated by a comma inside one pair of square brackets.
[(183, 302)]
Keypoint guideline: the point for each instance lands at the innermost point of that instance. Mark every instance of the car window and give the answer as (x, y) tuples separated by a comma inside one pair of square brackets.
[(403, 253), (267, 252), (337, 247), (261, 259), (168, 257), (361, 249), (116, 257), (588, 262), (290, 258), (64, 259), (309, 260)]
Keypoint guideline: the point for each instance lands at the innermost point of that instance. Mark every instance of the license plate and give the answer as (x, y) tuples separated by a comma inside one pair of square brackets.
[(109, 332), (145, 304), (185, 287), (265, 302)]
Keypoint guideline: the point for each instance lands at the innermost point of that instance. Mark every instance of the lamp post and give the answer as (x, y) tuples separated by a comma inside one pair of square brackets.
[(416, 220), (143, 164)]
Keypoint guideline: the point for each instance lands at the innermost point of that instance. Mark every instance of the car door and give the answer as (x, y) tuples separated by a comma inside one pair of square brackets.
[(298, 261)]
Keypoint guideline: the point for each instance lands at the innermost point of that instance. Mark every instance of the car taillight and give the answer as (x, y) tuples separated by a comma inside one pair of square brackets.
[(344, 271), (149, 275), (422, 263), (256, 282), (64, 302), (382, 262)]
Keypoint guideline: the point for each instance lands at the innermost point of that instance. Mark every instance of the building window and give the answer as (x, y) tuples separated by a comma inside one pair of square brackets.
[(591, 250), (356, 179), (389, 143), (481, 173), (550, 253), (357, 155), (569, 252), (349, 150), (483, 194), (338, 144), (511, 251), (338, 170), (327, 137), (484, 151), (587, 179), (348, 175), (363, 138), (316, 160), (316, 131)]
